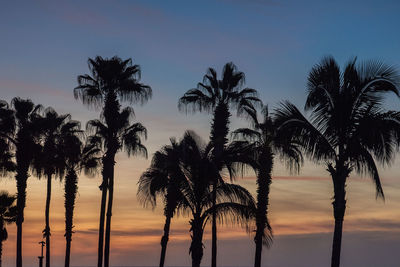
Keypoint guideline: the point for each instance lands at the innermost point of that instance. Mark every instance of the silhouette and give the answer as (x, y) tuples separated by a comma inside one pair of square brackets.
[(8, 215), (42, 244), (218, 96), (112, 80), (232, 201), (348, 127), (257, 147), (163, 179), (183, 174), (76, 157), (48, 161), (23, 133), (7, 128)]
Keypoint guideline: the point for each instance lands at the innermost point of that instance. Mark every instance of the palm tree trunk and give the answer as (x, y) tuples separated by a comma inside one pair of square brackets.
[(109, 213), (104, 189), (196, 247), (1, 250), (214, 229), (47, 214), (110, 111), (263, 182), (218, 136), (21, 177), (67, 252), (339, 208), (70, 194), (1, 240), (164, 240)]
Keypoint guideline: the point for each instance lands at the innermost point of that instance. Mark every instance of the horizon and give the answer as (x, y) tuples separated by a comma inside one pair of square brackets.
[(46, 45)]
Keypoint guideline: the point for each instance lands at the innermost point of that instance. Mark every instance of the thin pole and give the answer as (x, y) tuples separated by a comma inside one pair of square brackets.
[(42, 243)]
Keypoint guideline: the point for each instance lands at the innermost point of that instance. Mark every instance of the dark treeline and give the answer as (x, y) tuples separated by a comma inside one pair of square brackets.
[(347, 129)]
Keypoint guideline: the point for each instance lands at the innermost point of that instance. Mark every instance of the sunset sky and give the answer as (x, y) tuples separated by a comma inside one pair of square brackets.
[(44, 46)]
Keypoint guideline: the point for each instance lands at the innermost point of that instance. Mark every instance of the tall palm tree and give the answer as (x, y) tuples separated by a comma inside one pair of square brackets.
[(8, 215), (48, 161), (77, 157), (218, 96), (348, 127), (257, 146), (198, 189), (24, 137), (123, 136), (111, 80), (162, 179)]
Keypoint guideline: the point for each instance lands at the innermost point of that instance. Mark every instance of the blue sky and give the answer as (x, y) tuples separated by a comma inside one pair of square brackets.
[(44, 45)]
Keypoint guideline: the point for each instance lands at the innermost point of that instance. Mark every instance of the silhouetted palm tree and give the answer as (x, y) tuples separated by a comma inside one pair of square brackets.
[(218, 96), (111, 80), (76, 157), (123, 135), (8, 215), (163, 179), (198, 188), (257, 147), (48, 161), (24, 138), (348, 128)]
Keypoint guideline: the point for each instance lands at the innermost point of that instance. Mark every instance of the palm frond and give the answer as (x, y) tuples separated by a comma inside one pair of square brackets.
[(293, 126)]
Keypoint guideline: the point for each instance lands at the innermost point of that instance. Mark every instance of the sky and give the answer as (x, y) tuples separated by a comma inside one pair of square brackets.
[(44, 46)]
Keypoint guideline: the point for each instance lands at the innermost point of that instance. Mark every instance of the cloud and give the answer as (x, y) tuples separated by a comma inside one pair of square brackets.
[(147, 232)]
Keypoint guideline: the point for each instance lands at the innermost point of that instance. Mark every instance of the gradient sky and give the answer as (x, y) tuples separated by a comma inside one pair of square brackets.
[(44, 45)]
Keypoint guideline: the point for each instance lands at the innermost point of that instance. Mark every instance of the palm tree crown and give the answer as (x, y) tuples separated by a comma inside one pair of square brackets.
[(217, 96), (112, 77)]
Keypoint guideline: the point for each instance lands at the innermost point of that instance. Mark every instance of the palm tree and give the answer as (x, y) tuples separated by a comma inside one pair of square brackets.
[(76, 157), (8, 215), (219, 96), (24, 137), (49, 162), (162, 179), (123, 135), (198, 189), (257, 146), (111, 80), (348, 127)]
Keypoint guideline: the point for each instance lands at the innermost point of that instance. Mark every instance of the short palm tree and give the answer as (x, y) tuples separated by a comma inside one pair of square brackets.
[(110, 81), (8, 215), (48, 161), (123, 136), (162, 179), (24, 138), (218, 96), (76, 157), (257, 146), (232, 201), (348, 127)]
